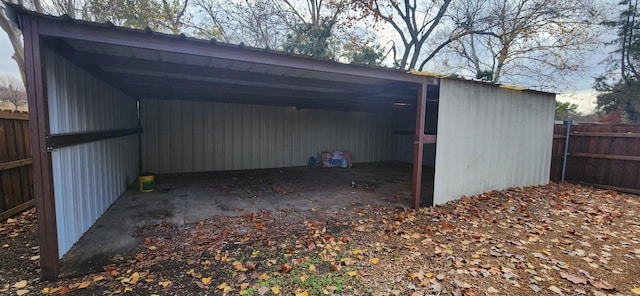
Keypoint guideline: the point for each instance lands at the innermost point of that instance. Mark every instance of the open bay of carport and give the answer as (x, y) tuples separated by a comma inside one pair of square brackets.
[(184, 199)]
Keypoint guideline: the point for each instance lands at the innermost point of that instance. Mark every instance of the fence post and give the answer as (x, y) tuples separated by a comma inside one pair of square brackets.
[(566, 148)]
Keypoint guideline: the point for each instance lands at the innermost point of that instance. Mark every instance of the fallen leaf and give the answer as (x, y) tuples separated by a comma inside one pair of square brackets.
[(134, 278), (275, 290), (446, 227), (262, 290), (461, 284), (98, 278), (207, 280), (34, 258), (285, 268), (535, 288), (153, 248), (312, 268), (303, 293), (244, 286), (164, 284), (84, 284), (572, 278), (601, 284), (636, 291), (555, 289), (22, 292), (374, 260), (352, 273), (20, 284), (492, 290)]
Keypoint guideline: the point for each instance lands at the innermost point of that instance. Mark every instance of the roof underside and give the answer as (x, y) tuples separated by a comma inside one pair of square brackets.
[(156, 74), (150, 65)]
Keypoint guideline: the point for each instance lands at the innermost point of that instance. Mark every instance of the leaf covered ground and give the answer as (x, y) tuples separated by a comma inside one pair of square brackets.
[(549, 240)]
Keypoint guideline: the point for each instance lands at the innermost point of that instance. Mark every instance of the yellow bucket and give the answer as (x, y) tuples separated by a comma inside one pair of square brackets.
[(145, 181)]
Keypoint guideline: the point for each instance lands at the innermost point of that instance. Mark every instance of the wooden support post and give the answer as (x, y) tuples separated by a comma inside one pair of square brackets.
[(419, 145), (39, 128)]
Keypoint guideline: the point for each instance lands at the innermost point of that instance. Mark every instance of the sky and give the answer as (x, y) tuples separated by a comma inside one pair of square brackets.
[(580, 92), (7, 64)]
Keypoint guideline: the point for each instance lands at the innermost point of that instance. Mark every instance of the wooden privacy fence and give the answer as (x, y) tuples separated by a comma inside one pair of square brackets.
[(16, 170), (606, 156)]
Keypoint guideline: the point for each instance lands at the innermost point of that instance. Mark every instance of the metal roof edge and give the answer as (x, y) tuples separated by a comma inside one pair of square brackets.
[(17, 11), (12, 12), (500, 85)]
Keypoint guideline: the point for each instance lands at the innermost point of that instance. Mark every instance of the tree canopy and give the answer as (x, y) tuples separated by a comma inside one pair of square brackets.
[(620, 84), (565, 109)]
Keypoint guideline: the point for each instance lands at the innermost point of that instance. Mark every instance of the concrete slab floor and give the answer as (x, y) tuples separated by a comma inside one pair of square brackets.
[(183, 199)]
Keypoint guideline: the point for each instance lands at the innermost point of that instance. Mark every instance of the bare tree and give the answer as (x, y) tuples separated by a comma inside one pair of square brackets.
[(258, 23), (169, 16), (414, 22), (15, 36), (262, 23), (301, 26), (55, 7), (533, 41), (12, 91)]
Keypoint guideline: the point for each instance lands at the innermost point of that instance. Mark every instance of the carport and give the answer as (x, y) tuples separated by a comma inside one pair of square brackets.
[(108, 102)]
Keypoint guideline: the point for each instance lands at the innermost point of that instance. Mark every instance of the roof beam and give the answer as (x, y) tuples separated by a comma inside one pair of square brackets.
[(154, 41), (102, 60), (186, 85)]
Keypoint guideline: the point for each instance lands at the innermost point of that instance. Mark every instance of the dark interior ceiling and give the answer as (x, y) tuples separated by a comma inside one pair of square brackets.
[(149, 74)]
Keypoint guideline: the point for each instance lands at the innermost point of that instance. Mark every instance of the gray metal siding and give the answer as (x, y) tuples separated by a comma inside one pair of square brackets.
[(404, 143), (490, 138), (87, 178), (196, 136)]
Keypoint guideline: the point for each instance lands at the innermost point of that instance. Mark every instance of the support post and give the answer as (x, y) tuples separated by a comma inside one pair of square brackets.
[(566, 148), (418, 143), (39, 129)]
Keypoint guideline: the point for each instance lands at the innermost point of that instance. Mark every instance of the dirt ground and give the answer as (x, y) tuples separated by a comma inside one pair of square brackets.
[(546, 240), (184, 199)]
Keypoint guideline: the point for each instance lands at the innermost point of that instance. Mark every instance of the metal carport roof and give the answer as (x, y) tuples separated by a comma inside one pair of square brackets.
[(146, 64)]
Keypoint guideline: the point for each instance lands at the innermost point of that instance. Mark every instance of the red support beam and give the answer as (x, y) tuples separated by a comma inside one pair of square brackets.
[(39, 128), (418, 150)]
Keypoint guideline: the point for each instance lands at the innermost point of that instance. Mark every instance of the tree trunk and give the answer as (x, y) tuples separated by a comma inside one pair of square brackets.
[(15, 37)]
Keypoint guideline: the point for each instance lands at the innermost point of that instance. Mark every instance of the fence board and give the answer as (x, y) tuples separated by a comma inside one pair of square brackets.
[(605, 155), (16, 170)]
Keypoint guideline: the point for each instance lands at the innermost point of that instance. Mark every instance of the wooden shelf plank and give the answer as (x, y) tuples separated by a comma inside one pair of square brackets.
[(15, 164)]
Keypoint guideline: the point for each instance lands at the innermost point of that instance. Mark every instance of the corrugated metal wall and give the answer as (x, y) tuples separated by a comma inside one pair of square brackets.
[(491, 138), (195, 136), (87, 178)]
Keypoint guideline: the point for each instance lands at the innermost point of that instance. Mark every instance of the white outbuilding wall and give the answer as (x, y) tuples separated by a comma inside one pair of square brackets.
[(87, 178), (491, 138)]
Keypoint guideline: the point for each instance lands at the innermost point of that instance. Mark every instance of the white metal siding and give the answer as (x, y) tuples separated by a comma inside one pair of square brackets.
[(490, 138), (87, 178), (196, 136)]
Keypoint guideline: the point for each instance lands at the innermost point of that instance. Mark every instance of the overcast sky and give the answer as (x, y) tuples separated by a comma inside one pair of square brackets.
[(7, 64)]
